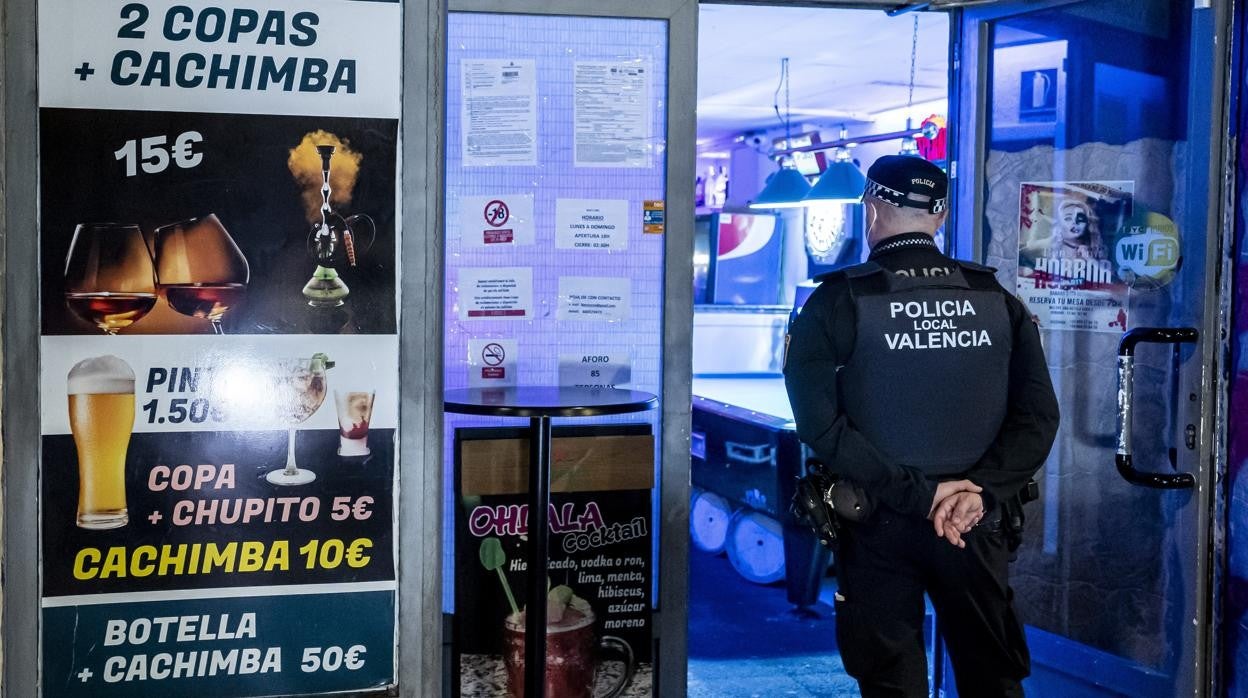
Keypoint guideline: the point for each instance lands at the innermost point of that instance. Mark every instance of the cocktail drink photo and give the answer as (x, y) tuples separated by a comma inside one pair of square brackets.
[(110, 281), (355, 411), (573, 651), (300, 387), (101, 417)]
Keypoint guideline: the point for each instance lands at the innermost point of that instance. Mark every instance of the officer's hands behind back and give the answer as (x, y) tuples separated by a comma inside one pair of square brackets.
[(956, 508)]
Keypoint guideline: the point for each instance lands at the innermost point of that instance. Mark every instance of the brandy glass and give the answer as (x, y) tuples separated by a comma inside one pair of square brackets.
[(109, 279), (300, 389), (201, 271)]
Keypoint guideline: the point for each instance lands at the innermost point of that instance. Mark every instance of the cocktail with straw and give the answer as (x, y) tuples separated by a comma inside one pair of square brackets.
[(570, 643)]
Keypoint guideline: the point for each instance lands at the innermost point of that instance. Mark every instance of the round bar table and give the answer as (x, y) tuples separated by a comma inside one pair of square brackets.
[(540, 404)]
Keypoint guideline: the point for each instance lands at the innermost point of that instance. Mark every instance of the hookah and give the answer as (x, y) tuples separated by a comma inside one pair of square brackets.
[(333, 242)]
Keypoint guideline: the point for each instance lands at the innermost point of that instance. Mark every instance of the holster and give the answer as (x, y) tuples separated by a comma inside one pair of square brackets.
[(824, 501)]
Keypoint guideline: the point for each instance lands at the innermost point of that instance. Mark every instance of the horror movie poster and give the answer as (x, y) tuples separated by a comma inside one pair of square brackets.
[(1067, 271)]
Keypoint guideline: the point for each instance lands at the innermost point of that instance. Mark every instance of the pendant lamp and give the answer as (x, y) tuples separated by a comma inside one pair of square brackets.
[(787, 187), (841, 183)]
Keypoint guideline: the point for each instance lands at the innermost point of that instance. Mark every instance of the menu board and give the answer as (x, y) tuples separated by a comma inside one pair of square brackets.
[(219, 374), (598, 623)]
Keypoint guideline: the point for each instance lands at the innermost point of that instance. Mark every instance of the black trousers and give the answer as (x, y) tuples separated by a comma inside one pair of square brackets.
[(884, 566)]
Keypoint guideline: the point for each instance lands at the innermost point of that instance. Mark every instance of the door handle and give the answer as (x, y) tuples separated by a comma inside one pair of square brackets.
[(1126, 387)]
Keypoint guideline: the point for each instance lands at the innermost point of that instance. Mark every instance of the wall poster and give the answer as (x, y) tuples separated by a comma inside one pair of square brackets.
[(599, 634), (1066, 270), (218, 237)]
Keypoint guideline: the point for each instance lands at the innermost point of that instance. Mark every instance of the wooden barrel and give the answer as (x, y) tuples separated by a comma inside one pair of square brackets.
[(756, 546), (709, 515)]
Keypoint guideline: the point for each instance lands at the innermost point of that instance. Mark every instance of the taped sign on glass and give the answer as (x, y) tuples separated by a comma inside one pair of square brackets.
[(498, 114), (653, 217), (591, 224), (491, 363), (1148, 251), (594, 298), (495, 292), (496, 220), (595, 370)]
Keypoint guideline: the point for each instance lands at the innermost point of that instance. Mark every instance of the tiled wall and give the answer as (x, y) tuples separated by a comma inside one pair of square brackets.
[(555, 44)]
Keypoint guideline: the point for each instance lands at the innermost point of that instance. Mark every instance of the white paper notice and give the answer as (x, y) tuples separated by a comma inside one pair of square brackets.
[(493, 221), (591, 224), (595, 370), (593, 298), (491, 363), (495, 292), (498, 112), (612, 114)]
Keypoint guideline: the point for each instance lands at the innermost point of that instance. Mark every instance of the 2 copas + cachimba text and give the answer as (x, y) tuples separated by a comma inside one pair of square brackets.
[(233, 71)]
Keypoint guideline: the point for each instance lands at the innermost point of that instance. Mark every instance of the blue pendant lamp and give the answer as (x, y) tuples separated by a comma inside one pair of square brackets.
[(841, 183), (787, 187)]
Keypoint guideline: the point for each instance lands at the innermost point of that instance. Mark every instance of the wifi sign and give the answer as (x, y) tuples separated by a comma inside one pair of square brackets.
[(1150, 253)]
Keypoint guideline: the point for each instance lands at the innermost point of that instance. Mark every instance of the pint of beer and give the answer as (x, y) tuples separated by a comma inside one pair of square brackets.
[(101, 416)]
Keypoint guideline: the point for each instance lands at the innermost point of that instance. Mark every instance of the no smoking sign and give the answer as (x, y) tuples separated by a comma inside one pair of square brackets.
[(492, 362)]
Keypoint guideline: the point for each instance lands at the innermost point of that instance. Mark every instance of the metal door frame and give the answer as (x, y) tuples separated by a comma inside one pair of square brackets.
[(973, 47), (419, 634), (21, 339), (671, 616)]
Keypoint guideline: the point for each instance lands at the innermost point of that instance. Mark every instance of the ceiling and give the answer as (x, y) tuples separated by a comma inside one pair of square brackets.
[(844, 65)]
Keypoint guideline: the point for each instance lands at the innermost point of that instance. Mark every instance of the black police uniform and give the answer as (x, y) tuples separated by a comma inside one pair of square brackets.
[(904, 371)]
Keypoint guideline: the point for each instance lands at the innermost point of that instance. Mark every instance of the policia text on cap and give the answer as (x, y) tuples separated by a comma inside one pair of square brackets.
[(921, 382)]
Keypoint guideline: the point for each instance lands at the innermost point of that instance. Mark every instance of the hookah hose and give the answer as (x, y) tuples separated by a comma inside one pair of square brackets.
[(348, 242)]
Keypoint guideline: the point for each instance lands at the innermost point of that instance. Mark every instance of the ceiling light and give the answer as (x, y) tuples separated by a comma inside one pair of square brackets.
[(842, 182), (786, 189)]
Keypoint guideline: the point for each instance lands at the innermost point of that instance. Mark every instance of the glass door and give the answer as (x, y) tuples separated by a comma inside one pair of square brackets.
[(1089, 159)]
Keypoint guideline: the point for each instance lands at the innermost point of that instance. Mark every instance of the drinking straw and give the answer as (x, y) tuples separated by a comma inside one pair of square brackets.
[(493, 558)]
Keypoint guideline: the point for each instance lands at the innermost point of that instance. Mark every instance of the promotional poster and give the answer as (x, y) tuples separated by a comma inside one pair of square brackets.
[(599, 625), (219, 226), (1067, 274)]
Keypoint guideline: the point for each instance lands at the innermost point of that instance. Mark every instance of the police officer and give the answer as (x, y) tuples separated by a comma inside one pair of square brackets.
[(922, 383)]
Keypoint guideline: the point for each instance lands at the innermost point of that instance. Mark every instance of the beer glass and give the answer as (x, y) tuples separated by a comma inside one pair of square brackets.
[(202, 272), (109, 279), (355, 411), (300, 390), (101, 417)]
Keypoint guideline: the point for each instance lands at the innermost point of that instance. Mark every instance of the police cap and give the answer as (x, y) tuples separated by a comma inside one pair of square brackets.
[(904, 180)]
